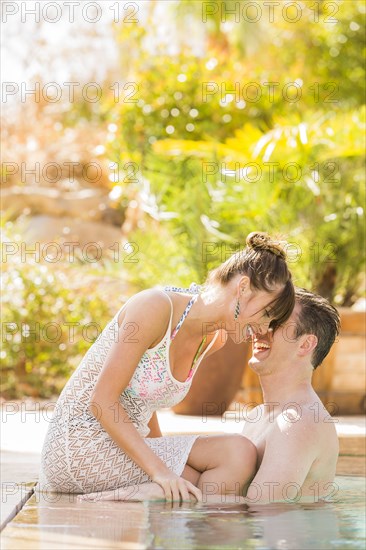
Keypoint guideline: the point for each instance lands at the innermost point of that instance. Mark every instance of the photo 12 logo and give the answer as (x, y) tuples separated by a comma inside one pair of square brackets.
[(71, 92), (243, 93), (68, 251), (53, 12), (271, 11)]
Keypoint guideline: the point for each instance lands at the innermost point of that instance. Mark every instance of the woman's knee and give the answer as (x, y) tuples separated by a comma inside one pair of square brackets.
[(241, 454), (234, 452)]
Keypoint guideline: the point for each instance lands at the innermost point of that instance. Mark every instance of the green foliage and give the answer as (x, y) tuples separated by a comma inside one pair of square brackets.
[(50, 317), (199, 135), (315, 193)]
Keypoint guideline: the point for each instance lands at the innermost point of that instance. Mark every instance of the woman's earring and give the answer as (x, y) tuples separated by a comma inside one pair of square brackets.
[(237, 309)]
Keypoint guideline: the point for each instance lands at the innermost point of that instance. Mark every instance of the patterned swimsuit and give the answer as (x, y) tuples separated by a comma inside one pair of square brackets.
[(78, 455)]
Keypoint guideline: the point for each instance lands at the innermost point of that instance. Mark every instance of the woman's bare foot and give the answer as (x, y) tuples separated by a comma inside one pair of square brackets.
[(145, 491)]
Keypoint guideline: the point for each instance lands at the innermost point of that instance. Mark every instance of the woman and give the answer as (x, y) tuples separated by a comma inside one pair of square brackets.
[(105, 434)]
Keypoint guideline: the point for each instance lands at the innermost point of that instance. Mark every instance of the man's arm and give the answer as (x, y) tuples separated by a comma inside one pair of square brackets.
[(291, 448)]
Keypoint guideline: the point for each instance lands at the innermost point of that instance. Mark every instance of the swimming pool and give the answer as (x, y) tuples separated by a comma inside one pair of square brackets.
[(60, 521), (339, 524)]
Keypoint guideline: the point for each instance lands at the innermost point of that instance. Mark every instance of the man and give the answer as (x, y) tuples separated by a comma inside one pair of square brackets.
[(294, 435)]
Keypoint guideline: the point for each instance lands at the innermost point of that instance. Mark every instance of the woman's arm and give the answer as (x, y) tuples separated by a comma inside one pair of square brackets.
[(148, 314), (154, 426)]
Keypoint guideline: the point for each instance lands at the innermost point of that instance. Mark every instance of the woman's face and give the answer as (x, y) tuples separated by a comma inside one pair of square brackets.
[(255, 309)]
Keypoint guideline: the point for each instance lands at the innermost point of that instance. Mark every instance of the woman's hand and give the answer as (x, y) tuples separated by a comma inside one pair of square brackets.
[(168, 486), (176, 488)]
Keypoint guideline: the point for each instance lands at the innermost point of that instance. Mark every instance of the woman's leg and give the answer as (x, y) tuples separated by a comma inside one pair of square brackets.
[(226, 464), (218, 465)]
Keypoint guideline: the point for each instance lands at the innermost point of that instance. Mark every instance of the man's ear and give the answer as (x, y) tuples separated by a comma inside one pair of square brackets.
[(308, 344)]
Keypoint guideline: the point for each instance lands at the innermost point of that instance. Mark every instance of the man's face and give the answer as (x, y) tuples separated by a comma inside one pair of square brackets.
[(274, 350)]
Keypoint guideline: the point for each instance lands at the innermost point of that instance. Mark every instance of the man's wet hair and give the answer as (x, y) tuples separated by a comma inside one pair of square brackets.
[(317, 316)]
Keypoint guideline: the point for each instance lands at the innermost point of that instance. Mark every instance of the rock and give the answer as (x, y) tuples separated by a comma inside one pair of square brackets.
[(65, 229), (87, 204)]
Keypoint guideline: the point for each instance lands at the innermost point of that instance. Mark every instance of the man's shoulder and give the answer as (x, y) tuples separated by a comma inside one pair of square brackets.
[(253, 414), (307, 421), (310, 413)]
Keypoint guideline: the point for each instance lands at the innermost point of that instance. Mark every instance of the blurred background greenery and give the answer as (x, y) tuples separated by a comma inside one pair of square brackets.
[(210, 126)]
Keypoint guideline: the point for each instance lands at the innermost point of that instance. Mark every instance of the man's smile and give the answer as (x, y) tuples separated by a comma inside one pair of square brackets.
[(262, 345)]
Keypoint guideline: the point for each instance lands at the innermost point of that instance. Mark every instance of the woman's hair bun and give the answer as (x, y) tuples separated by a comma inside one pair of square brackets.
[(258, 240)]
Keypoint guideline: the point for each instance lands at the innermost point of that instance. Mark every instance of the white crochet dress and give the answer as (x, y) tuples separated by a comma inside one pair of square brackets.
[(78, 455)]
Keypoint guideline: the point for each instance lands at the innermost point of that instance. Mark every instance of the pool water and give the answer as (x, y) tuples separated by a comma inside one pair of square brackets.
[(63, 522), (319, 525)]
